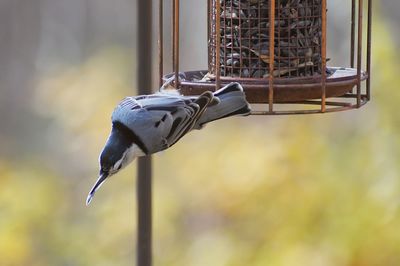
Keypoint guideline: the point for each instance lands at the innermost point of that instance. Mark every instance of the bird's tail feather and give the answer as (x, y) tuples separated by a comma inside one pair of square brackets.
[(232, 101)]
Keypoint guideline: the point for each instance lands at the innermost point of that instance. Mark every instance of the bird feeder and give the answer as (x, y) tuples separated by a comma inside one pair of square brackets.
[(277, 50)]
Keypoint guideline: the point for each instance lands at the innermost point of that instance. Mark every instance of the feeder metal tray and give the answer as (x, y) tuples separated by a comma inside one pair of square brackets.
[(339, 82)]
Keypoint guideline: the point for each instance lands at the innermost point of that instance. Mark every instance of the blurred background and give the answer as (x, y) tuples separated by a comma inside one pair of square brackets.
[(295, 190)]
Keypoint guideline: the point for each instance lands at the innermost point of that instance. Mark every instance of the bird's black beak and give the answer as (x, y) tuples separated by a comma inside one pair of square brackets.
[(102, 177)]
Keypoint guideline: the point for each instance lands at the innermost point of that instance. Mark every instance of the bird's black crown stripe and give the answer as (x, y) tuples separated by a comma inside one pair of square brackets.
[(131, 135)]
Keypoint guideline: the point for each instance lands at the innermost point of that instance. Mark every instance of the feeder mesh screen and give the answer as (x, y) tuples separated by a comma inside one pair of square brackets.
[(244, 38)]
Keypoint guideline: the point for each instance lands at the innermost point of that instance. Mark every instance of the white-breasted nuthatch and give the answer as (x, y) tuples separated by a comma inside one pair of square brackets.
[(147, 124)]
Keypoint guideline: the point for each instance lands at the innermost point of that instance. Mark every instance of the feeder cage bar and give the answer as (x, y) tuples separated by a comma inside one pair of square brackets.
[(359, 51), (208, 31), (176, 42), (369, 36), (353, 32), (173, 35), (323, 57), (217, 45), (271, 54), (277, 50), (160, 41)]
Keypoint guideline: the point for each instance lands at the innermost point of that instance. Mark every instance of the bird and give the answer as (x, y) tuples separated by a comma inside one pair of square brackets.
[(146, 124)]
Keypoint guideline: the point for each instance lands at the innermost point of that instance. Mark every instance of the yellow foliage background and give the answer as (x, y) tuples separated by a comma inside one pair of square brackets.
[(282, 191)]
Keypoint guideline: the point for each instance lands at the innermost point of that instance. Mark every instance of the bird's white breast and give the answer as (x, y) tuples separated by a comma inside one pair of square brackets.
[(131, 153)]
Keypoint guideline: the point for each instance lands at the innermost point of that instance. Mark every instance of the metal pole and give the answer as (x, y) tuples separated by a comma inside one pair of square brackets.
[(144, 199), (144, 177)]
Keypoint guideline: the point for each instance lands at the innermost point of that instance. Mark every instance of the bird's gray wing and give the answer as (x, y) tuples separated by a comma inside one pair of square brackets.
[(159, 121), (196, 110), (184, 117)]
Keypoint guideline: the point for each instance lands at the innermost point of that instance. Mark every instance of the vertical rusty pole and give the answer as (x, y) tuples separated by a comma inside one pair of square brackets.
[(369, 36), (353, 32), (359, 51), (173, 35), (208, 35), (176, 42), (218, 45), (160, 41), (271, 54), (323, 55), (144, 177)]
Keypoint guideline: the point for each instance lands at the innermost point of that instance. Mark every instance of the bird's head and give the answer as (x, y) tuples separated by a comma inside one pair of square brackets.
[(118, 152)]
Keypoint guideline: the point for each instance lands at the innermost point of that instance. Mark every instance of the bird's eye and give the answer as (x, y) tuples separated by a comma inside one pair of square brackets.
[(120, 166)]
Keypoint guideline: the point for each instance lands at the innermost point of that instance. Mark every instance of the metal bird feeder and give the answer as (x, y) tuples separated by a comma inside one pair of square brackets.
[(277, 51)]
